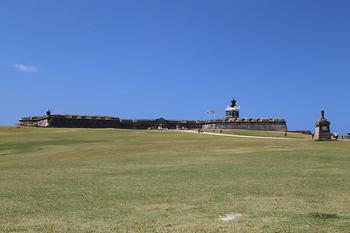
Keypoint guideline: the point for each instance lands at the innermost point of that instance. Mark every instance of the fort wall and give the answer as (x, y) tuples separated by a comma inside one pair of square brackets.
[(71, 121), (231, 121), (267, 124), (78, 121)]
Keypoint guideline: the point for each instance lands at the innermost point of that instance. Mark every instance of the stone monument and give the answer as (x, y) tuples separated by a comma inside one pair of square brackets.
[(232, 111), (323, 131)]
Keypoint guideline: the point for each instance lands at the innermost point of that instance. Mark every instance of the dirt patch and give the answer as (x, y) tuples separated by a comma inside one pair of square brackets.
[(231, 217)]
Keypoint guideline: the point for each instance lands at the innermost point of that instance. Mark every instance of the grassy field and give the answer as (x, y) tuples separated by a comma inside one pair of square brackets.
[(280, 134), (108, 180)]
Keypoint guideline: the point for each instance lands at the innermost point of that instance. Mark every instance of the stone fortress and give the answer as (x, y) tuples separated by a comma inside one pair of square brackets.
[(80, 121), (232, 120)]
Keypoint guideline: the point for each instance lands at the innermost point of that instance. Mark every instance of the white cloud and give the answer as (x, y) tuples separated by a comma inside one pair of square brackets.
[(25, 68)]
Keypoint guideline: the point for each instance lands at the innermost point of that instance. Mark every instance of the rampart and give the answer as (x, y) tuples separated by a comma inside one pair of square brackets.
[(78, 121), (71, 121), (267, 124)]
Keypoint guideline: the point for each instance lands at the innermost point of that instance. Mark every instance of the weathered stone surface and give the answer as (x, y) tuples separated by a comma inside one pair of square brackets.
[(231, 121), (78, 121), (231, 112), (71, 121), (248, 123), (322, 131)]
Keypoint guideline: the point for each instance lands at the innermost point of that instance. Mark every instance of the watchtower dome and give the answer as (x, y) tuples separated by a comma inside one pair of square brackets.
[(232, 111)]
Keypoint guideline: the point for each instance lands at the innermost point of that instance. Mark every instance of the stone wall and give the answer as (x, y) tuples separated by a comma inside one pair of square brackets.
[(34, 121), (77, 121), (266, 124), (71, 121), (156, 123)]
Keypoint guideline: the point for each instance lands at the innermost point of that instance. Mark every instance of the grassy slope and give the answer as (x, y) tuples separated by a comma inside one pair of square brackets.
[(262, 133), (82, 180)]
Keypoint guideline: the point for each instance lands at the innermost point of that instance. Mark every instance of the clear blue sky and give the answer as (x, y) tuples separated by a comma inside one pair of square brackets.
[(176, 59)]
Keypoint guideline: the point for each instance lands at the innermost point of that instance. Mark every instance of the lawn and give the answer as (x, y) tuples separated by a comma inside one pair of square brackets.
[(109, 180), (260, 133)]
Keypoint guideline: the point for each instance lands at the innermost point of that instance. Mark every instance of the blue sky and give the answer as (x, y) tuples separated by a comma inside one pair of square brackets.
[(176, 59)]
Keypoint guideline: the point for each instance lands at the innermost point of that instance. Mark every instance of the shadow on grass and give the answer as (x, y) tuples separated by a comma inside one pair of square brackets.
[(23, 147), (324, 216)]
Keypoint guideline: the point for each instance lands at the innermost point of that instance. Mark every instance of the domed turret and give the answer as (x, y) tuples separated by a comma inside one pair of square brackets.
[(232, 111)]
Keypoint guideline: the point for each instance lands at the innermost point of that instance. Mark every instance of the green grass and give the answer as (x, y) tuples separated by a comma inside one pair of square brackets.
[(261, 133), (108, 180)]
